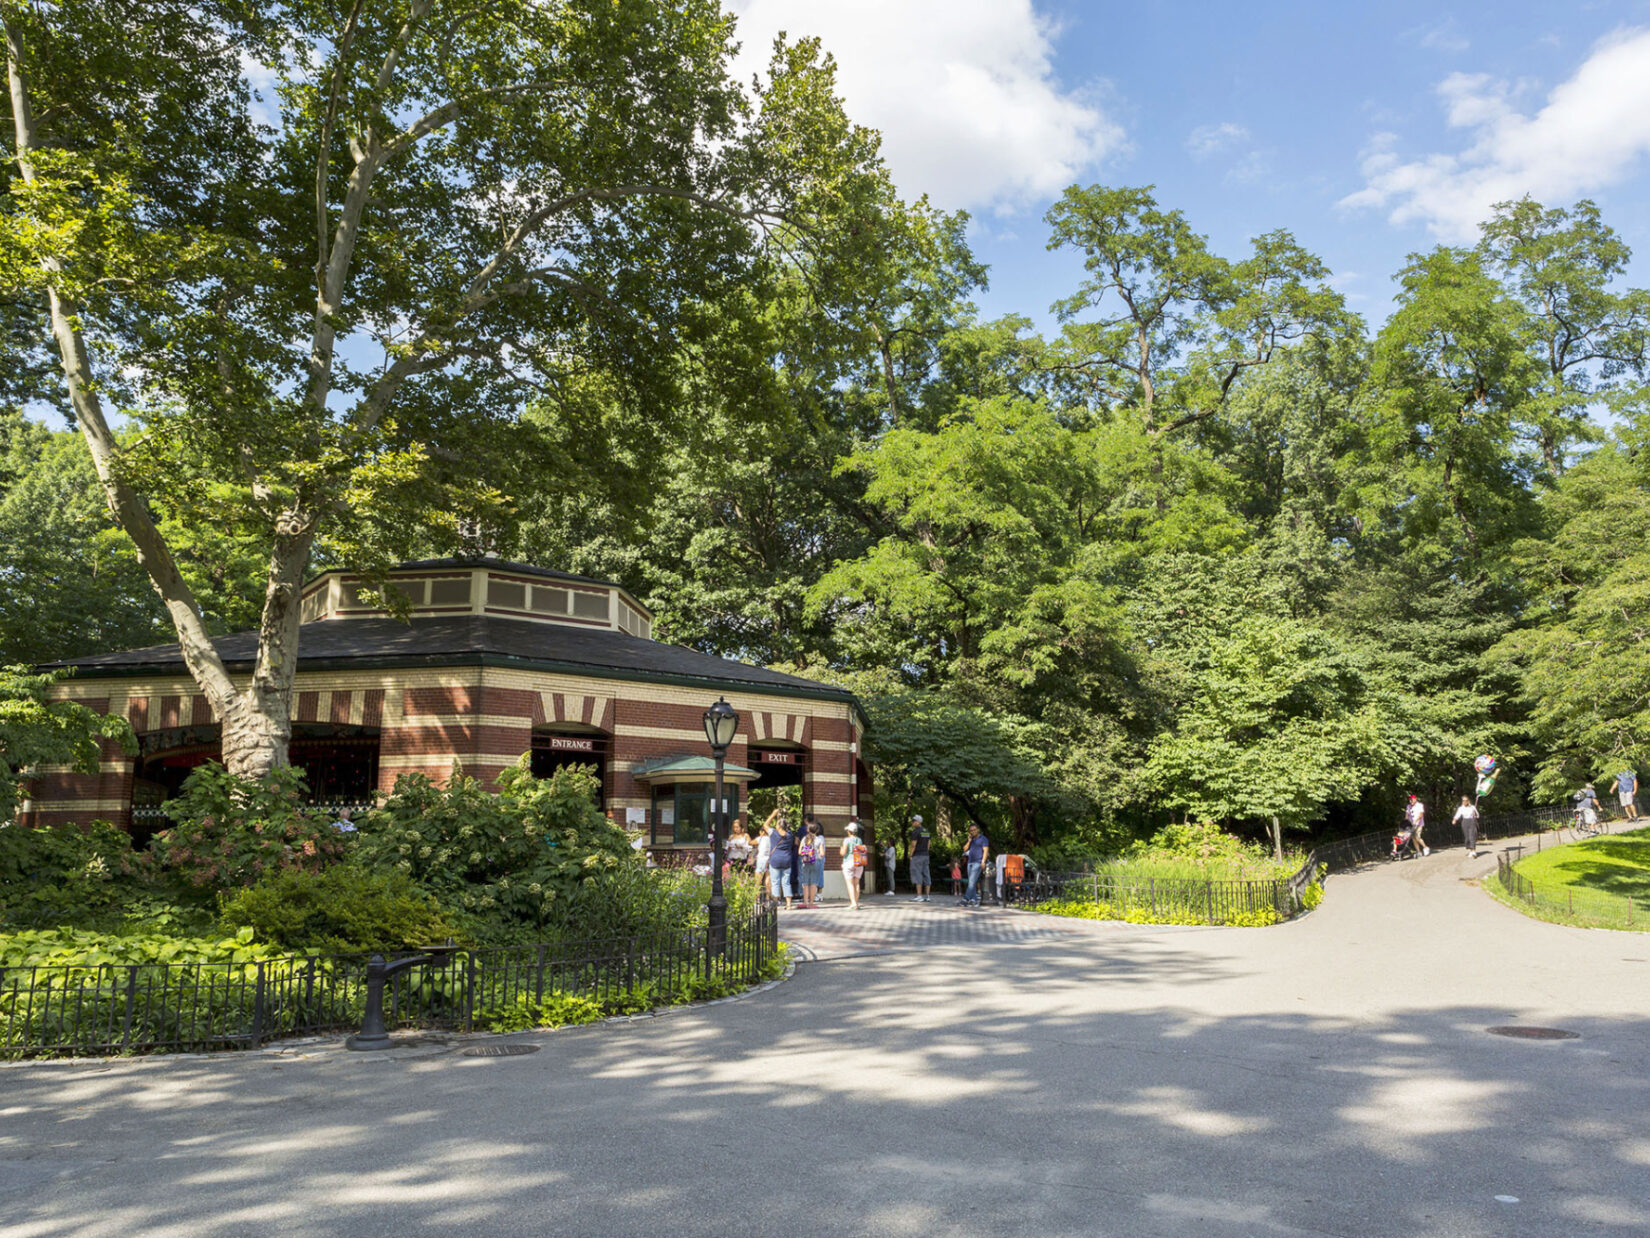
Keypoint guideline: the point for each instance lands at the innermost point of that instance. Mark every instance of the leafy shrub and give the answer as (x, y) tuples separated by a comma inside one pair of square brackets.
[(344, 909), (1312, 895), (65, 874), (231, 831), (1197, 840), (637, 902), (511, 856)]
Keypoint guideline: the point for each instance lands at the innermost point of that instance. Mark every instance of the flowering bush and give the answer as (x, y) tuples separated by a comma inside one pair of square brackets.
[(231, 831), (510, 856)]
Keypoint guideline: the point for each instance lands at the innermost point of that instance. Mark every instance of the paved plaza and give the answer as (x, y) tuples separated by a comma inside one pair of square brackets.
[(933, 1071)]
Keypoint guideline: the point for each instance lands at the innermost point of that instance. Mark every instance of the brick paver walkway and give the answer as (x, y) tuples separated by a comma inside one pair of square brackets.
[(885, 924)]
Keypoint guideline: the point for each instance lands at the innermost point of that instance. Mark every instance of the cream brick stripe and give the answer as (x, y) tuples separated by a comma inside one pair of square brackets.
[(76, 806), (517, 721)]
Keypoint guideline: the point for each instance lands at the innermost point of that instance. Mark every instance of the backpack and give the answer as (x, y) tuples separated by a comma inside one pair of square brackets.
[(809, 852), (860, 855)]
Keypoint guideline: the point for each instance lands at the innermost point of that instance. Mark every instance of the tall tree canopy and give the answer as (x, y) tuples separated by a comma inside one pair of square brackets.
[(328, 295), (345, 280)]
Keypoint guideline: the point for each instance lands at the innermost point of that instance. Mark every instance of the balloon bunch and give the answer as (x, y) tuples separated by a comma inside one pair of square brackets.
[(1485, 765)]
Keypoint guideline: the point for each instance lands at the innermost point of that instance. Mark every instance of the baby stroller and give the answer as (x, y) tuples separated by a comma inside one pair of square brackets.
[(1403, 843)]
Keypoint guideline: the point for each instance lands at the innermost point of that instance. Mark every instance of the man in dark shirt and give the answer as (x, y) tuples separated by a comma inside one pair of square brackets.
[(921, 878), (979, 848)]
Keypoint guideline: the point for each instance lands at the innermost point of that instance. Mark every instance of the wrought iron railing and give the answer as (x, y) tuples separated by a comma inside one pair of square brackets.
[(1225, 902), (1166, 899), (146, 1007)]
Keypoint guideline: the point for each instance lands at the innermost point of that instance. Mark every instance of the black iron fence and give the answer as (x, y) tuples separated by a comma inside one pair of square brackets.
[(1187, 900), (1366, 848), (145, 1007), (1169, 899)]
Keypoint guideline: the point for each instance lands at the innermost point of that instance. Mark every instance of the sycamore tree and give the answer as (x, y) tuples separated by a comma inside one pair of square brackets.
[(329, 296)]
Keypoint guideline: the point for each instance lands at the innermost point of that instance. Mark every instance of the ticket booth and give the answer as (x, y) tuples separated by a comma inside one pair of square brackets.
[(683, 792)]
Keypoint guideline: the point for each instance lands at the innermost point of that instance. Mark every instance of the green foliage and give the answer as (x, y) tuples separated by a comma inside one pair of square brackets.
[(559, 1009), (229, 831), (37, 730), (1580, 667), (1312, 896), (1169, 911), (344, 909), (84, 949), (65, 875), (515, 856)]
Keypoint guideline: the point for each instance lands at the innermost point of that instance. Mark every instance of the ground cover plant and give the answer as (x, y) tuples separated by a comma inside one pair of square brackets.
[(1594, 883)]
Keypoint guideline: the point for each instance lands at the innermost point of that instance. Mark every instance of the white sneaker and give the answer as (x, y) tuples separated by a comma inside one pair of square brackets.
[(1426, 850)]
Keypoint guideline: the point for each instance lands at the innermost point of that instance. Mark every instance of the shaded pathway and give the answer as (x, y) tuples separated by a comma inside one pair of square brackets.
[(1328, 1076)]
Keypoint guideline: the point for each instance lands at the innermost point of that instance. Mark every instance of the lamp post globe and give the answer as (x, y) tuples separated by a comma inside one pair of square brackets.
[(721, 725)]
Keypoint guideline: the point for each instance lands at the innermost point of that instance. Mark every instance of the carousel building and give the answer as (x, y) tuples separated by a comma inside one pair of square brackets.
[(496, 661)]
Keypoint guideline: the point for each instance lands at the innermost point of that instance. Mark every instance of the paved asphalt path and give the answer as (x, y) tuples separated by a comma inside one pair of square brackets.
[(934, 1071)]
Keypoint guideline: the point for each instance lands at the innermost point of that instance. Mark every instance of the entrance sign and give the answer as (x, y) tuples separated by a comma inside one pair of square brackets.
[(561, 743)]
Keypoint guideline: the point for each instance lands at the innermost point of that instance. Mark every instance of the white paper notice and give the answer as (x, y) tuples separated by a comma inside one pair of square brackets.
[(635, 816)]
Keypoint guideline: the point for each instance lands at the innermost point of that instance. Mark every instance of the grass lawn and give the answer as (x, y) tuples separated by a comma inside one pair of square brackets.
[(1601, 882)]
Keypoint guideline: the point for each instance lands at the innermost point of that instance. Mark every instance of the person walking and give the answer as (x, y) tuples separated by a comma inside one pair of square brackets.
[(890, 860), (917, 862), (1466, 817), (853, 863), (1627, 789), (811, 847), (977, 851), (1002, 876), (1416, 815), (780, 856)]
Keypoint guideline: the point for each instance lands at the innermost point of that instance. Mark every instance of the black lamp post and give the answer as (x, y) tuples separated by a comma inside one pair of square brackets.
[(721, 725)]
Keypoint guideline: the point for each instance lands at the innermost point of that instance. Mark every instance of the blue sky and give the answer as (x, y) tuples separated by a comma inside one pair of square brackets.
[(1368, 130)]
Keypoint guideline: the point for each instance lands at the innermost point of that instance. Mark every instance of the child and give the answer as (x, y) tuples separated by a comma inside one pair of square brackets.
[(956, 879)]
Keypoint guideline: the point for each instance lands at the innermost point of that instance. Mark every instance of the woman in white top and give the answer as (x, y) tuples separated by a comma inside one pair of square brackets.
[(1466, 817), (764, 847), (853, 866), (738, 850)]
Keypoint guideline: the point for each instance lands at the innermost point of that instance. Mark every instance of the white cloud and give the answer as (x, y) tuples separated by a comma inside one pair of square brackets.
[(1443, 36), (963, 91), (1592, 131), (1207, 140)]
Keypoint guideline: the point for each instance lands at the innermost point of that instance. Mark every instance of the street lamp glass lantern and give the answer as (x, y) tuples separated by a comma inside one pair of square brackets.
[(721, 725)]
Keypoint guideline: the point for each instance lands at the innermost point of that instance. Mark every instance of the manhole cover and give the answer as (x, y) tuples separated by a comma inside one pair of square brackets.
[(499, 1051), (1534, 1033)]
